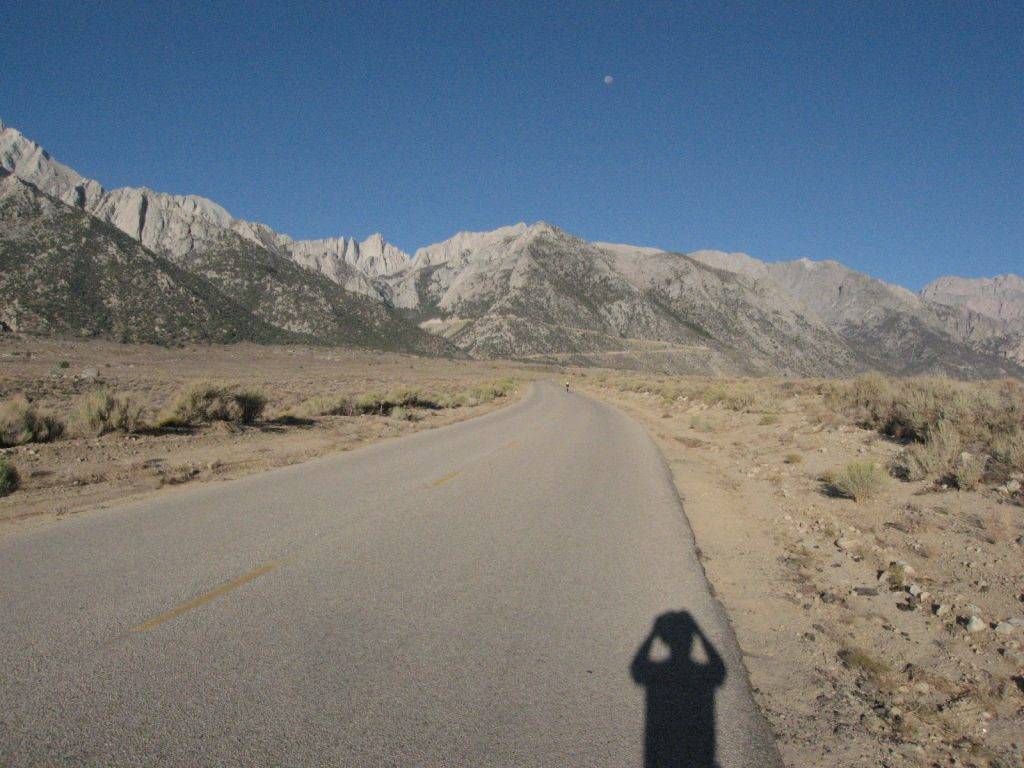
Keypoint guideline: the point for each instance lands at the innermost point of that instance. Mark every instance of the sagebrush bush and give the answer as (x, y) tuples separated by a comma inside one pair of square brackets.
[(9, 477), (934, 458), (739, 396), (860, 480), (704, 423), (21, 422), (404, 414), (384, 403), (205, 402), (1008, 456), (941, 418), (968, 471), (325, 405), (103, 411)]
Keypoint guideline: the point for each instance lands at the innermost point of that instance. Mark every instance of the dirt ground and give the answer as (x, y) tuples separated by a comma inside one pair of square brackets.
[(855, 618), (77, 474)]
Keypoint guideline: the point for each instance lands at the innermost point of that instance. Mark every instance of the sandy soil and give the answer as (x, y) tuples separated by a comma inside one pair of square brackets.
[(74, 475), (853, 617)]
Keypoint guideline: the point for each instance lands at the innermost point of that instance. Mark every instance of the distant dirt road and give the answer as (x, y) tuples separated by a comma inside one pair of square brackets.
[(483, 594)]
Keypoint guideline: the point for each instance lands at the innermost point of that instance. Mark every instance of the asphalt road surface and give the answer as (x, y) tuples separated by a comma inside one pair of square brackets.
[(484, 594)]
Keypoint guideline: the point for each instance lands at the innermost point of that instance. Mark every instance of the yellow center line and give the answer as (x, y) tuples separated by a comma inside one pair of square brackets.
[(205, 598), (446, 478), (456, 473)]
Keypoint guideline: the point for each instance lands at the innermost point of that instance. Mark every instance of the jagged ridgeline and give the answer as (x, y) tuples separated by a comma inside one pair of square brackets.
[(77, 258)]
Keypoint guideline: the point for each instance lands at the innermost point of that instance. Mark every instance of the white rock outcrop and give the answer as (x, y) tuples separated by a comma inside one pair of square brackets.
[(1000, 297), (30, 162), (181, 225)]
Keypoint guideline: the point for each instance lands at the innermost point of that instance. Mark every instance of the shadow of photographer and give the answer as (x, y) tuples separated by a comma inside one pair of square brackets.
[(679, 717)]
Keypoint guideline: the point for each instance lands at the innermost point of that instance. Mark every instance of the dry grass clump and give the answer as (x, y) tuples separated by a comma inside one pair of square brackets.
[(9, 477), (204, 402), (702, 423), (860, 660), (740, 396), (859, 480), (102, 411), (1008, 455), (968, 471), (325, 405), (406, 398), (792, 458), (21, 422), (943, 416), (909, 408), (405, 414), (935, 457)]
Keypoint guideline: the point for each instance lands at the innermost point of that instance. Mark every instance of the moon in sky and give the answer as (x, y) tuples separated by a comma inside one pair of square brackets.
[(608, 79)]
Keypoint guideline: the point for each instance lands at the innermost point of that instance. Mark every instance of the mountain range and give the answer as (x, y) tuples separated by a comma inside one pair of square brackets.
[(140, 265)]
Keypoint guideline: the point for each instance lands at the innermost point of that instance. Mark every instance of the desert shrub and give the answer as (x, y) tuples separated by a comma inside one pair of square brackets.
[(205, 402), (64, 365), (405, 397), (968, 471), (793, 458), (370, 402), (936, 455), (102, 411), (21, 422), (769, 419), (1008, 455), (860, 480), (702, 423), (860, 660), (981, 413), (404, 414), (250, 404), (484, 392), (325, 405), (9, 477)]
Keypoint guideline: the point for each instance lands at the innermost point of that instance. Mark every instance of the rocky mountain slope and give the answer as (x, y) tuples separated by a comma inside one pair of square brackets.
[(1001, 298), (65, 272), (534, 291), (892, 328), (181, 225), (245, 264), (537, 291)]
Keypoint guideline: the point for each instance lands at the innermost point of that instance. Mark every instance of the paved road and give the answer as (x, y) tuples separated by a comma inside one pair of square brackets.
[(478, 595)]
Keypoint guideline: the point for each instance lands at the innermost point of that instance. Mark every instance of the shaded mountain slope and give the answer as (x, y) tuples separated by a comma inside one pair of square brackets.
[(63, 271)]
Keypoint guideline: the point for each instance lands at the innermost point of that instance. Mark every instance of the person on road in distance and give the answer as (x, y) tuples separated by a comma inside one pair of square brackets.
[(567, 386)]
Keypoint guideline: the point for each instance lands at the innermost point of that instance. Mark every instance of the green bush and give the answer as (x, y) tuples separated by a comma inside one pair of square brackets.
[(860, 480), (205, 402), (21, 422), (9, 477), (103, 411)]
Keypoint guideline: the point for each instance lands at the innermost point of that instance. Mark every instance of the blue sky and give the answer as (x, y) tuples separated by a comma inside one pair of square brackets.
[(887, 135)]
